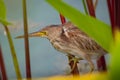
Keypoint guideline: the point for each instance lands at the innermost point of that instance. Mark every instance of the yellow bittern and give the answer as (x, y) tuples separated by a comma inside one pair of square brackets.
[(68, 39)]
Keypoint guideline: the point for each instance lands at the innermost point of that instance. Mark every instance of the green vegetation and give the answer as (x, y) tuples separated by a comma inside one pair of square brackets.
[(13, 53)]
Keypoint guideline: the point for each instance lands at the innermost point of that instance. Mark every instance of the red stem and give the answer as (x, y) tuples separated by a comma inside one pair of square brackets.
[(90, 7), (111, 6), (26, 40), (117, 13), (101, 62), (2, 67), (62, 19)]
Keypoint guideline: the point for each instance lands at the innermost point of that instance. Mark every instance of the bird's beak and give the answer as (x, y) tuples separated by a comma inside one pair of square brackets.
[(34, 34)]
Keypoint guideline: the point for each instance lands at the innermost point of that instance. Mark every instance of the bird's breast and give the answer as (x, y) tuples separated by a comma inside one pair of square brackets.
[(61, 46)]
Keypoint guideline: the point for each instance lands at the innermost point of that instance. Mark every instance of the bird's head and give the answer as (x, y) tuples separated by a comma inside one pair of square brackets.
[(47, 32)]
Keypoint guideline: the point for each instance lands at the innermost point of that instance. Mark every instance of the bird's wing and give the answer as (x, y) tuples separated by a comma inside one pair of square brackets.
[(80, 39)]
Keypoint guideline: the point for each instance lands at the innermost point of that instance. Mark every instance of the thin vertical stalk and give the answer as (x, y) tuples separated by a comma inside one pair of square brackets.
[(62, 19), (75, 71), (111, 14), (117, 13), (95, 4), (2, 67), (90, 8), (101, 62), (13, 53), (85, 8), (27, 54)]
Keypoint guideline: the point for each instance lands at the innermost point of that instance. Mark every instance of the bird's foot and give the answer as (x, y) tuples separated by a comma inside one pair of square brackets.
[(91, 67), (91, 70), (75, 61)]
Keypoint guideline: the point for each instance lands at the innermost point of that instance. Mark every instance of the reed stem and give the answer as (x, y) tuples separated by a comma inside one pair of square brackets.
[(26, 40), (85, 8), (13, 53), (3, 75), (90, 8), (111, 14)]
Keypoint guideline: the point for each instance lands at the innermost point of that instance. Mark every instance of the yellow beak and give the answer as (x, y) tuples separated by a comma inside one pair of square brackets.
[(34, 34)]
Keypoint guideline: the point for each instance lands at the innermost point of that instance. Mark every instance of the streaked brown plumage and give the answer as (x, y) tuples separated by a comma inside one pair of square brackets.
[(68, 39)]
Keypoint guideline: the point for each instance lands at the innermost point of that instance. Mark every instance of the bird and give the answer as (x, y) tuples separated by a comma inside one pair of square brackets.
[(70, 40)]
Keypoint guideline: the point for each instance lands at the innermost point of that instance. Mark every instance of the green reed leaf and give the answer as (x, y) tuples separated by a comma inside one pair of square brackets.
[(115, 56), (3, 13)]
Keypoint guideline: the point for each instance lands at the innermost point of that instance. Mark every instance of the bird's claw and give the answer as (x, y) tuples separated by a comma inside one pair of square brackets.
[(75, 60)]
